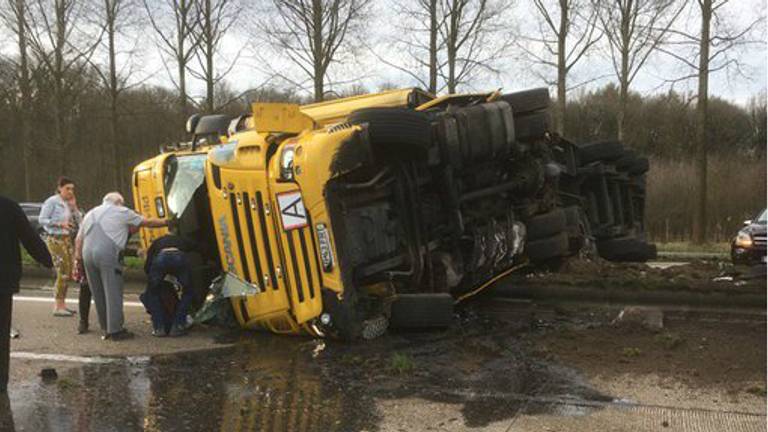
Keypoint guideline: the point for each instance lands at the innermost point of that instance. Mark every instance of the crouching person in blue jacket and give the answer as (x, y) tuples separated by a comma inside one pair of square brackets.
[(167, 257)]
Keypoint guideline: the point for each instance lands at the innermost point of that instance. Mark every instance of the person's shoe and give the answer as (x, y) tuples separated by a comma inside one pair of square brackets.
[(118, 336), (177, 330), (82, 327), (159, 332), (72, 311), (62, 313)]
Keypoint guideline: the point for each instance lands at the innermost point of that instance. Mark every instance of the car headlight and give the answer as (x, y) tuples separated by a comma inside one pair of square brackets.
[(324, 244), (286, 162), (743, 240)]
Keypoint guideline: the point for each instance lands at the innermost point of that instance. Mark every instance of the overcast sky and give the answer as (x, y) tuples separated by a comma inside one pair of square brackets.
[(249, 69)]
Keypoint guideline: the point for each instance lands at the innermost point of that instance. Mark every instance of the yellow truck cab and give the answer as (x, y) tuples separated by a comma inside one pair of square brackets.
[(348, 216)]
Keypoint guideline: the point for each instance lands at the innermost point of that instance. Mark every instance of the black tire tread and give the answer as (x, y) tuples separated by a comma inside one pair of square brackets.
[(548, 248), (600, 151), (546, 225), (528, 100)]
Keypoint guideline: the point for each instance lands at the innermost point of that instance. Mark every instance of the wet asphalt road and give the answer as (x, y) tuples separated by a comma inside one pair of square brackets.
[(478, 375)]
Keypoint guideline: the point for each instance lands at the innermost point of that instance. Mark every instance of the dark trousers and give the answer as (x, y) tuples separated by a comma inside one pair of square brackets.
[(6, 306), (84, 303), (168, 263)]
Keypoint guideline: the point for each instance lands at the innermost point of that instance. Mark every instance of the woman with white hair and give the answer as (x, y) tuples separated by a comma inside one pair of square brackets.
[(103, 236)]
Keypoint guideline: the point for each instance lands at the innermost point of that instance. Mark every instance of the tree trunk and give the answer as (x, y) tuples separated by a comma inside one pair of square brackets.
[(561, 69), (317, 54), (58, 88), (181, 59), (702, 114), (114, 157), (24, 88), (209, 74), (433, 46), (626, 38)]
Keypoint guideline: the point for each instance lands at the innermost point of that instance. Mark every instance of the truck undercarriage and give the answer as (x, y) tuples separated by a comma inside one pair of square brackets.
[(449, 197)]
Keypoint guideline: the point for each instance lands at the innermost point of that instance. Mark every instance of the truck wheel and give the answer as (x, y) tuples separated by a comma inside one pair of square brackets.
[(421, 311), (626, 249), (531, 127), (546, 225), (601, 150), (528, 100), (395, 127), (625, 162), (547, 248), (640, 166)]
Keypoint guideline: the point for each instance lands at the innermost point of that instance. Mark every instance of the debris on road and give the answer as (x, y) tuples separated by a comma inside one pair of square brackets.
[(649, 318)]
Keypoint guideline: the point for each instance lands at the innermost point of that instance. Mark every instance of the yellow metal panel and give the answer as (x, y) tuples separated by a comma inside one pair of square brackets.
[(147, 187), (280, 117), (335, 111)]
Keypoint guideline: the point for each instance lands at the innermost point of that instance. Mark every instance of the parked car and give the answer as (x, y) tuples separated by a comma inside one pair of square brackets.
[(748, 247), (32, 210)]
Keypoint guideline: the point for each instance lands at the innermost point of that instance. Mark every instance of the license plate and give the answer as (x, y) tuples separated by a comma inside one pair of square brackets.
[(292, 211)]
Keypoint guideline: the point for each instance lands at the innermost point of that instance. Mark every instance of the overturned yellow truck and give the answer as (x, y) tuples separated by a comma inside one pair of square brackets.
[(349, 216)]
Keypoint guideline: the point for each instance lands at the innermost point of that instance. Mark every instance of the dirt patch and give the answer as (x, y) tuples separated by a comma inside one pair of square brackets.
[(725, 353), (699, 276)]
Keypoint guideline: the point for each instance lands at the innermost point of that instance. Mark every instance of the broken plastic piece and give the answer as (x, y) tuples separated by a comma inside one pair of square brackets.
[(233, 286)]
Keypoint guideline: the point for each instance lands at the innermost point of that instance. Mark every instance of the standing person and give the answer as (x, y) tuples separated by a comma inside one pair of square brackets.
[(14, 228), (165, 257), (78, 273), (100, 243), (57, 219)]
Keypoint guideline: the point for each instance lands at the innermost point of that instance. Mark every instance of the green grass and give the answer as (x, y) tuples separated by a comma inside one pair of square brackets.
[(694, 248), (401, 363)]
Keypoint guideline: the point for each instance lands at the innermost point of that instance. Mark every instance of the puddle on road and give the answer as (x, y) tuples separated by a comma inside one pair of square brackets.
[(271, 383)]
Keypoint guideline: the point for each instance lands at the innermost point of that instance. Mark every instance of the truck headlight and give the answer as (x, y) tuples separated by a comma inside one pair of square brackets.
[(286, 162), (743, 240), (324, 243), (159, 207)]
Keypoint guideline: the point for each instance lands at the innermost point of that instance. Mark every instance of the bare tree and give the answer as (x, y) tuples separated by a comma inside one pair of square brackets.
[(216, 19), (313, 35), (635, 29), (62, 46), (705, 53), (417, 26), (567, 30), (115, 16), (175, 22), (471, 34), (14, 15)]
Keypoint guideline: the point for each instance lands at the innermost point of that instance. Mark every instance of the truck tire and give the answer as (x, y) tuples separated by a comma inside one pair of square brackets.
[(640, 166), (546, 225), (421, 311), (629, 159), (548, 248), (626, 249), (528, 100), (601, 150), (531, 127), (395, 127)]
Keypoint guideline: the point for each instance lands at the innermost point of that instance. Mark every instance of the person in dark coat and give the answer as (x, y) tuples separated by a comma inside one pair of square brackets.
[(14, 228), (167, 256)]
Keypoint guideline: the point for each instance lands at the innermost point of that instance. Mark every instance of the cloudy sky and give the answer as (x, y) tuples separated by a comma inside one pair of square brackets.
[(738, 86), (254, 62)]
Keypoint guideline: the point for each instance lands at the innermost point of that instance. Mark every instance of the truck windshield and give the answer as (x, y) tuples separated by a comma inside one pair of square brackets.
[(184, 175)]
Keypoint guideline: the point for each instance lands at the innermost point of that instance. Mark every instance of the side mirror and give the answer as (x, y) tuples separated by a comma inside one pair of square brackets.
[(192, 122), (748, 222)]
